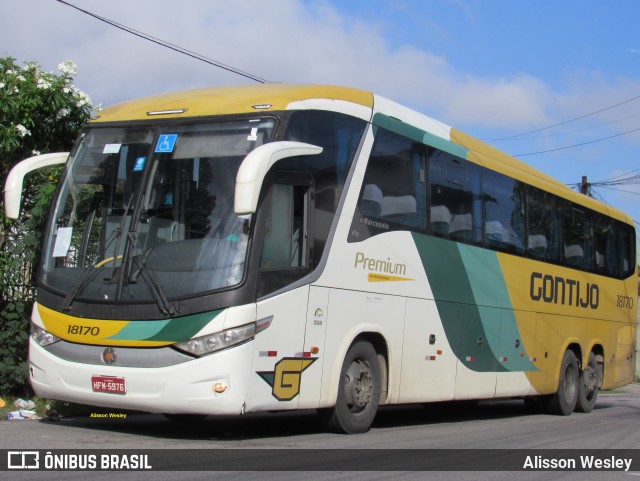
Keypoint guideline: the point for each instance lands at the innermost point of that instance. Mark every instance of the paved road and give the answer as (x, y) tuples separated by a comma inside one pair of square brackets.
[(613, 424)]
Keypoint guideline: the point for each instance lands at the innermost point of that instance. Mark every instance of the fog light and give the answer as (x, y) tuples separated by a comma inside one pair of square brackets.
[(219, 387)]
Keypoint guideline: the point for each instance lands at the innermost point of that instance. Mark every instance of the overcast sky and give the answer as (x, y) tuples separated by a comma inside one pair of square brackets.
[(493, 68)]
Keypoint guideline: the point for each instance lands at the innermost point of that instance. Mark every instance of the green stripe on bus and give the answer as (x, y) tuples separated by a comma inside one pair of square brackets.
[(489, 289), (170, 330), (473, 303), (139, 330), (456, 303), (414, 133)]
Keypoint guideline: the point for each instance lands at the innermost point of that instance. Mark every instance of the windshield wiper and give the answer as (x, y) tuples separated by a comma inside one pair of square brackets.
[(126, 275), (121, 274), (167, 308), (90, 272)]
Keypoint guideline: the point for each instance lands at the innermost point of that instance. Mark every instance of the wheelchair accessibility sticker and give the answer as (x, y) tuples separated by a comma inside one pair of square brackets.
[(166, 143)]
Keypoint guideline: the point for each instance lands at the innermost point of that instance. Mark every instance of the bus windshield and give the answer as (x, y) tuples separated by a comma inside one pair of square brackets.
[(146, 213)]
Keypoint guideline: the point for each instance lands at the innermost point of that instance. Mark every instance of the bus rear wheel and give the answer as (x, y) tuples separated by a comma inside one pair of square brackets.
[(589, 384), (358, 392), (564, 401)]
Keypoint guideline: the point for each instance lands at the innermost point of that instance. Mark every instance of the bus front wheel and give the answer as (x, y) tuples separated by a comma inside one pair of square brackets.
[(564, 401), (358, 392)]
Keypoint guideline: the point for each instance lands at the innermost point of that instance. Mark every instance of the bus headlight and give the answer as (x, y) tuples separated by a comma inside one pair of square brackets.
[(42, 337), (203, 345)]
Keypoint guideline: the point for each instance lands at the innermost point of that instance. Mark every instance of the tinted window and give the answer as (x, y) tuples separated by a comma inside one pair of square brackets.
[(339, 136), (503, 212), (456, 204), (394, 188), (543, 225)]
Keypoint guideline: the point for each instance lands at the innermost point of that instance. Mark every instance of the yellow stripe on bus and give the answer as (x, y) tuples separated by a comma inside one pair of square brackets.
[(85, 330)]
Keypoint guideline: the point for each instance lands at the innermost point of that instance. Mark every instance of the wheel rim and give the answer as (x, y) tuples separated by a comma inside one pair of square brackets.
[(358, 386), (570, 382), (590, 382)]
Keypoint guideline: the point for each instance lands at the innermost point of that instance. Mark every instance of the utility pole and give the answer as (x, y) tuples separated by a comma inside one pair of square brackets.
[(584, 186)]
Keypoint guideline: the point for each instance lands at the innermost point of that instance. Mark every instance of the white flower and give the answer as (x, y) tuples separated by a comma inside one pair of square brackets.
[(83, 99), (9, 72), (35, 152), (43, 84), (22, 130), (63, 112), (2, 84), (15, 90), (21, 78), (67, 68)]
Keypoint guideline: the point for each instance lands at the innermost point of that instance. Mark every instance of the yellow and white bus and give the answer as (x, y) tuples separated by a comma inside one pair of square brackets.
[(279, 247)]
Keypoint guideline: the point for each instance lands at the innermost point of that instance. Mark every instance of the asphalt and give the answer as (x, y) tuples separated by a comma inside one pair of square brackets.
[(634, 387)]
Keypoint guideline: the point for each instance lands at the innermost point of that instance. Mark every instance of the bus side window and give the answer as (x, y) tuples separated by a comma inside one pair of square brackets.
[(286, 248), (456, 204), (625, 249), (604, 244), (576, 236), (394, 188), (543, 227), (286, 230), (504, 212)]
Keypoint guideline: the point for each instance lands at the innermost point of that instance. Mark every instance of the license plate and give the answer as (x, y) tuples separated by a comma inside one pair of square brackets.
[(108, 384)]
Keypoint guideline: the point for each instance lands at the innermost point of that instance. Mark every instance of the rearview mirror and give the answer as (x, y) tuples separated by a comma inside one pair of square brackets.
[(13, 185), (256, 165)]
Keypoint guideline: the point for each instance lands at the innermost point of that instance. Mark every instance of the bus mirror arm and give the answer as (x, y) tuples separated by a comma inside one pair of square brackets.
[(13, 185), (256, 165)]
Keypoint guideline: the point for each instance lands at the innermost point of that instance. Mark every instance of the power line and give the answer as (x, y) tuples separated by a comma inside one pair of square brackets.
[(557, 134), (567, 121), (168, 45), (577, 145), (620, 190), (622, 176)]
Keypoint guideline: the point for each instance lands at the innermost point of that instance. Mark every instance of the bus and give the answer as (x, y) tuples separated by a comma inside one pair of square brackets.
[(278, 247)]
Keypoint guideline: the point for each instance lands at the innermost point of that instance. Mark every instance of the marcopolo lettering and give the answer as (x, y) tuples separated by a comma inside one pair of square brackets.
[(564, 291)]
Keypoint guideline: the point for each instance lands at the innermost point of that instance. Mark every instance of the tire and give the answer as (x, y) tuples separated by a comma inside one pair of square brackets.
[(564, 401), (590, 382), (358, 392)]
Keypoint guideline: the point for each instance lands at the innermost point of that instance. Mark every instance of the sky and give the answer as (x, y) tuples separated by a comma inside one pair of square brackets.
[(554, 83)]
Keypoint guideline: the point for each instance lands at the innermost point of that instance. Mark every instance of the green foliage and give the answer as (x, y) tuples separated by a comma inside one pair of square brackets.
[(40, 112)]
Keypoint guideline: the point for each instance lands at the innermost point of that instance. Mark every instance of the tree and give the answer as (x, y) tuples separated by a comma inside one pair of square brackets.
[(40, 112)]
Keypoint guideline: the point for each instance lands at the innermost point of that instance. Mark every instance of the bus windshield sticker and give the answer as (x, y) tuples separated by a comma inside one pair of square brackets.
[(111, 148), (166, 143), (253, 135), (139, 165), (63, 241)]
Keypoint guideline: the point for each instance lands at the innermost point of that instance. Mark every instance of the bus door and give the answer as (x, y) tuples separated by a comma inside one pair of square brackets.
[(314, 346), (279, 359)]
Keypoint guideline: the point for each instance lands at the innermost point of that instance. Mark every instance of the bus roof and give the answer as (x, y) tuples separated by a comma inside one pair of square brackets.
[(228, 100)]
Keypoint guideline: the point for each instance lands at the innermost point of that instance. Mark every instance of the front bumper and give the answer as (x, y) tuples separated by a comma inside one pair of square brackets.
[(183, 388)]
